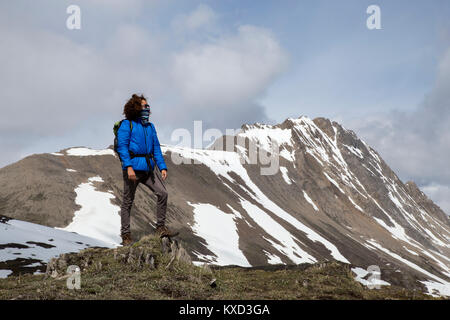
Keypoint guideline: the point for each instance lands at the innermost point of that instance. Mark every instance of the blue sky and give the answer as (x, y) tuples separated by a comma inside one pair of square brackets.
[(339, 67), (228, 63)]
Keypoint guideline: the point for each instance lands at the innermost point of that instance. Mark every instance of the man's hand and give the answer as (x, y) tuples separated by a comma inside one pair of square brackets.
[(131, 174), (164, 174)]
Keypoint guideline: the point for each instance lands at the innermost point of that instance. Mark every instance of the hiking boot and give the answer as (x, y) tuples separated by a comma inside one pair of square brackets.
[(126, 239), (163, 231)]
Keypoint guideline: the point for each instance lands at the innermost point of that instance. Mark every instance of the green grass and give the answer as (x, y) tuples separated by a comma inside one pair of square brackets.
[(115, 279)]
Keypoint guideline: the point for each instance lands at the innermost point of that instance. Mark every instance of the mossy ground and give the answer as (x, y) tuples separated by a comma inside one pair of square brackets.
[(107, 277)]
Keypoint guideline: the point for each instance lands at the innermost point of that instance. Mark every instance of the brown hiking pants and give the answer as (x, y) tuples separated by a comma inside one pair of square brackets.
[(155, 184)]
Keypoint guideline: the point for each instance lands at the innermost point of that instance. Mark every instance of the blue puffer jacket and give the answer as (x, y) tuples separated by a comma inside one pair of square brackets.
[(143, 140)]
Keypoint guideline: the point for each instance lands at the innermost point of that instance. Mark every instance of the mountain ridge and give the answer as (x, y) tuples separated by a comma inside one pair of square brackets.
[(334, 198)]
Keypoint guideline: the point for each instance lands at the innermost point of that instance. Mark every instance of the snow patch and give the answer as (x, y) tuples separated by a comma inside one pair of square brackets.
[(310, 201), (372, 281), (272, 258), (39, 242), (98, 217), (220, 233), (410, 251), (441, 283), (289, 246), (333, 182), (437, 289), (284, 173), (355, 151), (435, 239), (81, 152), (266, 137), (5, 273), (355, 205)]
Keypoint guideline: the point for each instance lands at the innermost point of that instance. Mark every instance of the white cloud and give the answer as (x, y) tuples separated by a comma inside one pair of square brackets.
[(117, 6), (229, 69), (202, 16), (44, 78)]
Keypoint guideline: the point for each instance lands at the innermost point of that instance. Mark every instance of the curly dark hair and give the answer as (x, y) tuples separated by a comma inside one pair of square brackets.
[(133, 107)]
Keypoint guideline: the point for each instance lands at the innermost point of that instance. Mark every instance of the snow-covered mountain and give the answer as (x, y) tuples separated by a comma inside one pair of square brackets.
[(333, 197)]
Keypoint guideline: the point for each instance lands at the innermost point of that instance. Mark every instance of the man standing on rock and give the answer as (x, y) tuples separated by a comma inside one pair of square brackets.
[(139, 151)]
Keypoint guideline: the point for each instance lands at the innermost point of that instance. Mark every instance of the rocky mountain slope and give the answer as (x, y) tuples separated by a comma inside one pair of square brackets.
[(333, 198)]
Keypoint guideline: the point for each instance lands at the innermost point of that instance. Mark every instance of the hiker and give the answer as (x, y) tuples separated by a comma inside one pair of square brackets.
[(139, 151)]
